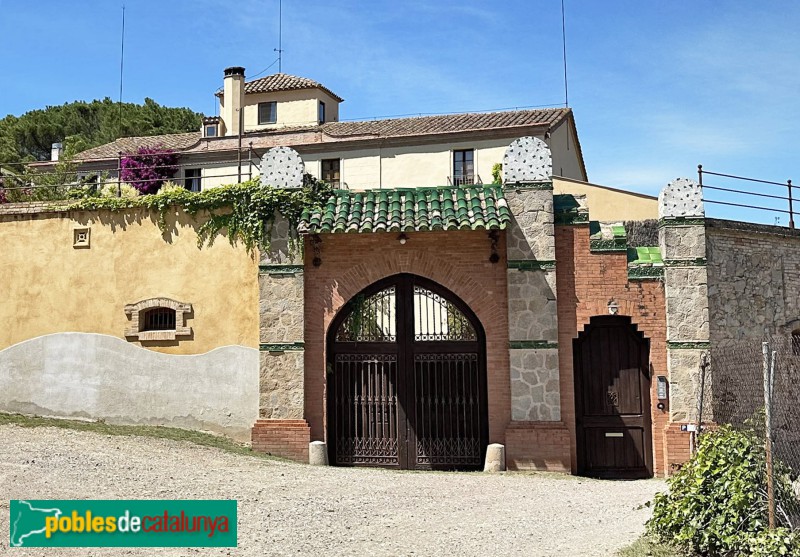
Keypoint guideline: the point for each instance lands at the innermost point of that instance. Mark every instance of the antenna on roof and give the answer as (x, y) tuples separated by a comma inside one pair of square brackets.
[(121, 62), (280, 35), (564, 45)]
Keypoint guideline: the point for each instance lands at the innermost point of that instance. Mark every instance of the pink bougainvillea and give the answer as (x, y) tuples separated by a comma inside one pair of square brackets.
[(148, 168)]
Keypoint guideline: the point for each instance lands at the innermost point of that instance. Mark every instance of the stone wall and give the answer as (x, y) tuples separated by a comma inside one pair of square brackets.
[(281, 322), (683, 248), (281, 311), (754, 295), (532, 305), (753, 279)]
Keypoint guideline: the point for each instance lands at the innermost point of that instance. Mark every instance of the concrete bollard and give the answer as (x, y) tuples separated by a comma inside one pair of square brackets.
[(495, 458), (318, 453)]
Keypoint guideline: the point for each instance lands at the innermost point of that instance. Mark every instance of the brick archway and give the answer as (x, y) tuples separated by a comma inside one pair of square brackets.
[(458, 260)]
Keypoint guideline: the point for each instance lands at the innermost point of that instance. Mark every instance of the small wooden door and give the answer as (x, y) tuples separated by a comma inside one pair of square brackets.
[(612, 399)]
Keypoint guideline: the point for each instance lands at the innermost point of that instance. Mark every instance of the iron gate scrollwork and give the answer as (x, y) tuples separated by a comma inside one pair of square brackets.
[(407, 379)]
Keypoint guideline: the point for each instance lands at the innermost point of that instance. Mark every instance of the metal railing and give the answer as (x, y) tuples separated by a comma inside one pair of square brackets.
[(787, 199), (464, 180)]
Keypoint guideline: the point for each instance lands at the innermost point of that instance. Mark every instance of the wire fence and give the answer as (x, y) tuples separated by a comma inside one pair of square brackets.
[(754, 385)]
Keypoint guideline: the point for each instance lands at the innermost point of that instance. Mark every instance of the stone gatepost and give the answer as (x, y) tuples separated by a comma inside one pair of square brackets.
[(532, 309), (682, 243), (281, 428)]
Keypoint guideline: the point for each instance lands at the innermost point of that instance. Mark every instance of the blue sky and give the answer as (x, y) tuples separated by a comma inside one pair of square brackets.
[(657, 87)]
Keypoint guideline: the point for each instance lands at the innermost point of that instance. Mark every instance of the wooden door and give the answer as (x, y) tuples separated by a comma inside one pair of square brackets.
[(406, 379), (612, 399)]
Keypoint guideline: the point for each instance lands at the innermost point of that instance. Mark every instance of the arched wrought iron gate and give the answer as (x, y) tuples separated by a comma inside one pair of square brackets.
[(406, 379)]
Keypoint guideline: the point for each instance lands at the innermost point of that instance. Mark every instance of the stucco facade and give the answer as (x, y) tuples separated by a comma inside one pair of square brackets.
[(128, 259), (609, 204)]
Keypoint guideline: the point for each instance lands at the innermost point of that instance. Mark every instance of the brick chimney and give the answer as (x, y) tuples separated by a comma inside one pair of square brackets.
[(232, 101)]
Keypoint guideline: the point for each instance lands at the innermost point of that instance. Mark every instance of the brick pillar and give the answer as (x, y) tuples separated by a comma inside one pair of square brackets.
[(682, 243), (281, 429), (536, 438)]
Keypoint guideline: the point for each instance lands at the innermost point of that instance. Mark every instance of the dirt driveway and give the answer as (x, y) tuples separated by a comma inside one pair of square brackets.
[(291, 509)]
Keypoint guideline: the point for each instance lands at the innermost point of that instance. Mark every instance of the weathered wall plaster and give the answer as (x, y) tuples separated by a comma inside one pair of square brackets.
[(80, 375)]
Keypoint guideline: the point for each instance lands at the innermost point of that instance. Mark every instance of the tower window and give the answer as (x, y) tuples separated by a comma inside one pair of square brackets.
[(267, 112)]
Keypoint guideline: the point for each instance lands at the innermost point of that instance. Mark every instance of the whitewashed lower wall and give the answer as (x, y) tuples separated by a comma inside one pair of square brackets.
[(96, 376)]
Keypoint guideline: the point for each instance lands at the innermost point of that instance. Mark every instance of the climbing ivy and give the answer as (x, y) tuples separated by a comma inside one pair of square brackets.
[(245, 211)]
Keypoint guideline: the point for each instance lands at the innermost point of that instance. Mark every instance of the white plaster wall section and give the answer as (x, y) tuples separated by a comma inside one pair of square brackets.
[(681, 198), (103, 377), (282, 167), (527, 159)]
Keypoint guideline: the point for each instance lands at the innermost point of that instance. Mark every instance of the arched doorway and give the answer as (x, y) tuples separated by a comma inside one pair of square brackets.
[(406, 379), (612, 399)]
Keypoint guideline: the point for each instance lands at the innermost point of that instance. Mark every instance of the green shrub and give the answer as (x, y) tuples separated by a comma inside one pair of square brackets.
[(497, 173), (771, 543), (717, 503)]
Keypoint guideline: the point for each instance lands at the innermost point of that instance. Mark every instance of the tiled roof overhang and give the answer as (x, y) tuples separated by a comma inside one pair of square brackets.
[(409, 209)]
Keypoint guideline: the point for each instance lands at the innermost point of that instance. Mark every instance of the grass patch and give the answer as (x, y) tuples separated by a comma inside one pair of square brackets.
[(160, 432), (648, 547)]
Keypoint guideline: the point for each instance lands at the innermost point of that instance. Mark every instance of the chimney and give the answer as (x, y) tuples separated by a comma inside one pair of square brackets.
[(232, 101), (56, 151)]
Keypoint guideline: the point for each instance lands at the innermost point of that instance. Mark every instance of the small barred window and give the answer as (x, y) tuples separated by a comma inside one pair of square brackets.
[(159, 319)]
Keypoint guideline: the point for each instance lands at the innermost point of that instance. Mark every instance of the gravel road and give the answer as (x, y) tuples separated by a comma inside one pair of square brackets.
[(292, 509)]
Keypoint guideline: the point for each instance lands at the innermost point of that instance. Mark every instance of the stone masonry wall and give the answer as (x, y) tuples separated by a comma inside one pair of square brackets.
[(532, 307), (281, 322), (282, 429), (753, 279), (683, 248), (754, 292)]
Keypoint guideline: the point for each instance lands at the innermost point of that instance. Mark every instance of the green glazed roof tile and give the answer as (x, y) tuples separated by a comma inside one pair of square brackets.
[(645, 256), (409, 209)]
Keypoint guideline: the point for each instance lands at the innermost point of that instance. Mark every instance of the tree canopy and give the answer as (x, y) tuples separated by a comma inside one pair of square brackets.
[(81, 125)]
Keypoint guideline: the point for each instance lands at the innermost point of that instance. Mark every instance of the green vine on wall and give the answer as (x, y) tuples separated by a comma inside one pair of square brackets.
[(245, 211)]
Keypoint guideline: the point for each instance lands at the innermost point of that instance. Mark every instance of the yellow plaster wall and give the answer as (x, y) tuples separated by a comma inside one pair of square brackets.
[(408, 166), (564, 148), (609, 204), (295, 108), (51, 287)]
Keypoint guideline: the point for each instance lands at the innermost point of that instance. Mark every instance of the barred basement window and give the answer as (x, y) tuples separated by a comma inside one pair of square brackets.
[(796, 342), (158, 319)]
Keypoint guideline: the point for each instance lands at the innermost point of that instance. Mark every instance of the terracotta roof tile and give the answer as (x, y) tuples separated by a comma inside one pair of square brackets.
[(338, 131), (285, 82), (174, 141), (447, 123)]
